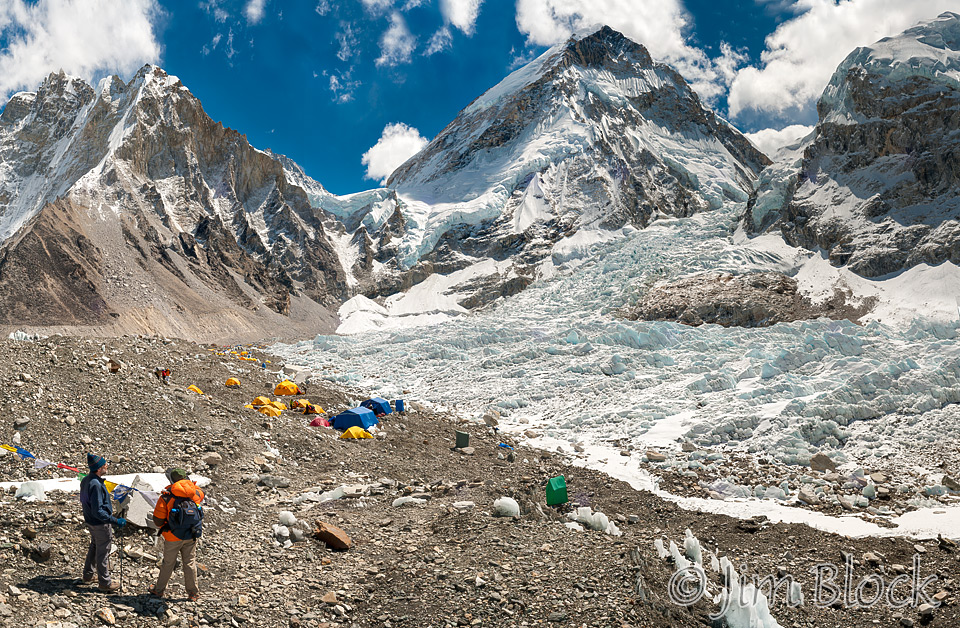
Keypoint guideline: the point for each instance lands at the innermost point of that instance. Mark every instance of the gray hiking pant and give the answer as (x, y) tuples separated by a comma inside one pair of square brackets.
[(98, 554)]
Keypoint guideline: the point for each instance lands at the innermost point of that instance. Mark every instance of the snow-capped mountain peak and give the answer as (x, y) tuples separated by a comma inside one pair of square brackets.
[(877, 186), (930, 50), (590, 137)]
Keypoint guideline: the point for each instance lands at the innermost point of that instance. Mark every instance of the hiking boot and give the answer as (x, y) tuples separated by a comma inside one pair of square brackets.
[(193, 597), (110, 588), (153, 592), (88, 579)]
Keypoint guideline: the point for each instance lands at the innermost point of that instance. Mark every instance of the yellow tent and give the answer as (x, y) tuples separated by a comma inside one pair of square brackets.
[(195, 389), (356, 432), (249, 405), (268, 410), (260, 401), (278, 405), (299, 403), (233, 383), (286, 387)]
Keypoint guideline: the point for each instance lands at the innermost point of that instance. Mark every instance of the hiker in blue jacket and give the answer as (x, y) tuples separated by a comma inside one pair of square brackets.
[(98, 515)]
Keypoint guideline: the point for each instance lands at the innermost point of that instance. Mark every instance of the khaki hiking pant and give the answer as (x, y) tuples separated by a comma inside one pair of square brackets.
[(187, 550)]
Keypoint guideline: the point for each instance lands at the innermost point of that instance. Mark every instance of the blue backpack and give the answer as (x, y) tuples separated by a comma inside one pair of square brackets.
[(185, 519)]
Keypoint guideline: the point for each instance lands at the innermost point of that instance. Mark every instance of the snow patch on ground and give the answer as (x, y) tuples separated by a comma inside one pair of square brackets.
[(430, 302), (156, 481)]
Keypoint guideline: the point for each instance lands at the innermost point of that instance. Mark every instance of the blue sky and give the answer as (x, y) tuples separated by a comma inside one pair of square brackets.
[(323, 81), (273, 81)]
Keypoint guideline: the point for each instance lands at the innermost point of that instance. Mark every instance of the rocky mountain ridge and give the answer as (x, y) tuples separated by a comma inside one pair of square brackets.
[(143, 214), (876, 187)]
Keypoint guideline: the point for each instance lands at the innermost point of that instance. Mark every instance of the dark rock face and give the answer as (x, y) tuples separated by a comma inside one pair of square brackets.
[(751, 300), (879, 186), (50, 275)]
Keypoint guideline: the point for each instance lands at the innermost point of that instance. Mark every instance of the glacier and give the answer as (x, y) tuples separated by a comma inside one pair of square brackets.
[(557, 358)]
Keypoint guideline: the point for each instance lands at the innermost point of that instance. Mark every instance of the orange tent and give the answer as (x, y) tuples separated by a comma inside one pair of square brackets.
[(268, 410), (356, 432), (286, 387)]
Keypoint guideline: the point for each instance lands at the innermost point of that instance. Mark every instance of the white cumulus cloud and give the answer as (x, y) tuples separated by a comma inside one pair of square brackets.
[(86, 39), (397, 43), (397, 143), (461, 13), (772, 140), (802, 54), (658, 25), (255, 10)]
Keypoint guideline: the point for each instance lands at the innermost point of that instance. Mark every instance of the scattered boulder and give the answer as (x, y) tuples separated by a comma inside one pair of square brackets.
[(212, 459), (333, 536), (821, 462), (947, 545), (751, 526), (41, 552), (136, 508), (106, 616), (807, 496), (274, 481), (871, 559), (654, 456)]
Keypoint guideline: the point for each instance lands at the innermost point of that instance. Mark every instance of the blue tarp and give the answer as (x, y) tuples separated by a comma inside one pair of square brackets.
[(379, 405), (360, 417)]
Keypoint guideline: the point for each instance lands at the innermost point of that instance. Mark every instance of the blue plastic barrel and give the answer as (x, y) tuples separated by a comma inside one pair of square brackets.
[(398, 405)]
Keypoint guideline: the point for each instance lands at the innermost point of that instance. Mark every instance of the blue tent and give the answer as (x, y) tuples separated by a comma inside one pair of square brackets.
[(379, 405), (360, 417)]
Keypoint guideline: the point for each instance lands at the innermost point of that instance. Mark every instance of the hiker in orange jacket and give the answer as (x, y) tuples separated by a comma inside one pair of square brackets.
[(178, 514)]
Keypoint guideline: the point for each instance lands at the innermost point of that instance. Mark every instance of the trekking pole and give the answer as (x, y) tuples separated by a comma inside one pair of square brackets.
[(120, 549)]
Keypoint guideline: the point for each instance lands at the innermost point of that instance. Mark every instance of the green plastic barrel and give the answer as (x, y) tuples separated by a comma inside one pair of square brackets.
[(463, 440), (557, 491)]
